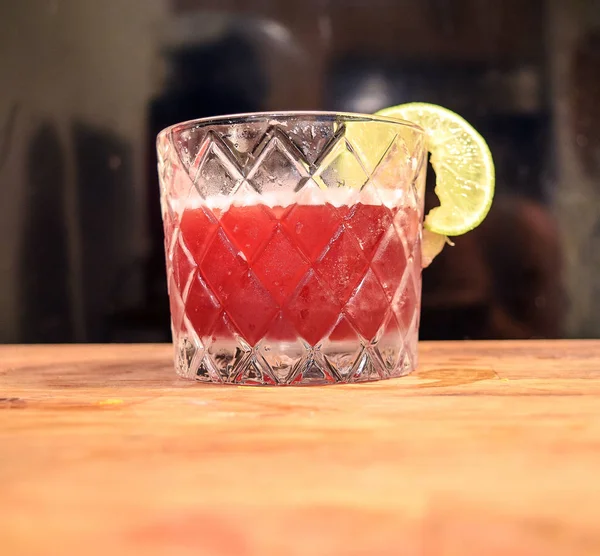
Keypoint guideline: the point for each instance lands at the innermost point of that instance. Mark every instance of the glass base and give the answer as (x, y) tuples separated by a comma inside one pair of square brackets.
[(293, 363)]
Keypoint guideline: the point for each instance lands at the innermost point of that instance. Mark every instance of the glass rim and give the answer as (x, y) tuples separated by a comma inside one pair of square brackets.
[(323, 115)]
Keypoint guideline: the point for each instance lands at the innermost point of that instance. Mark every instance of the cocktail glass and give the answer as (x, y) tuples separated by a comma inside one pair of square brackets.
[(293, 246)]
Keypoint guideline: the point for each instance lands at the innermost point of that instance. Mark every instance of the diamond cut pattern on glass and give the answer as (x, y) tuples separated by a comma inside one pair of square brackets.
[(184, 358), (340, 167), (248, 228), (176, 304), (189, 356), (367, 307), (366, 368), (316, 370), (244, 141), (226, 358), (408, 226), (198, 228), (179, 188), (255, 373), (390, 346), (343, 330), (280, 266), (284, 363), (395, 167), (312, 138), (368, 223), (183, 264), (223, 267), (251, 309), (313, 309), (343, 347), (171, 231), (278, 167), (373, 145), (187, 147), (342, 265), (201, 306), (215, 171), (222, 329), (301, 223), (406, 304), (294, 294), (390, 262)]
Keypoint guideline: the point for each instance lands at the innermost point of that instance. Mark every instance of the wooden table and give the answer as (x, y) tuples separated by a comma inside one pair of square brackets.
[(489, 449)]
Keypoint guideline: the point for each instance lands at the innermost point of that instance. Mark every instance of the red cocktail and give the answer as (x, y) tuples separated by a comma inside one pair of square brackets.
[(315, 272), (290, 259)]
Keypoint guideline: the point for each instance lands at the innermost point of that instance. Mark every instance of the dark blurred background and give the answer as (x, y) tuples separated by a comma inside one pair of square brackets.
[(86, 85)]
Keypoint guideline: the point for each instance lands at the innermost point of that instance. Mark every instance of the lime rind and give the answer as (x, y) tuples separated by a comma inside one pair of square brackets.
[(463, 165)]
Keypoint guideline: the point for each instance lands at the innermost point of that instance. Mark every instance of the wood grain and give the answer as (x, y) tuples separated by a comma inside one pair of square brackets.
[(489, 449)]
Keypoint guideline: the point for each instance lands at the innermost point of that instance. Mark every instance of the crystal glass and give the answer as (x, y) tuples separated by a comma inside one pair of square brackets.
[(293, 246)]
